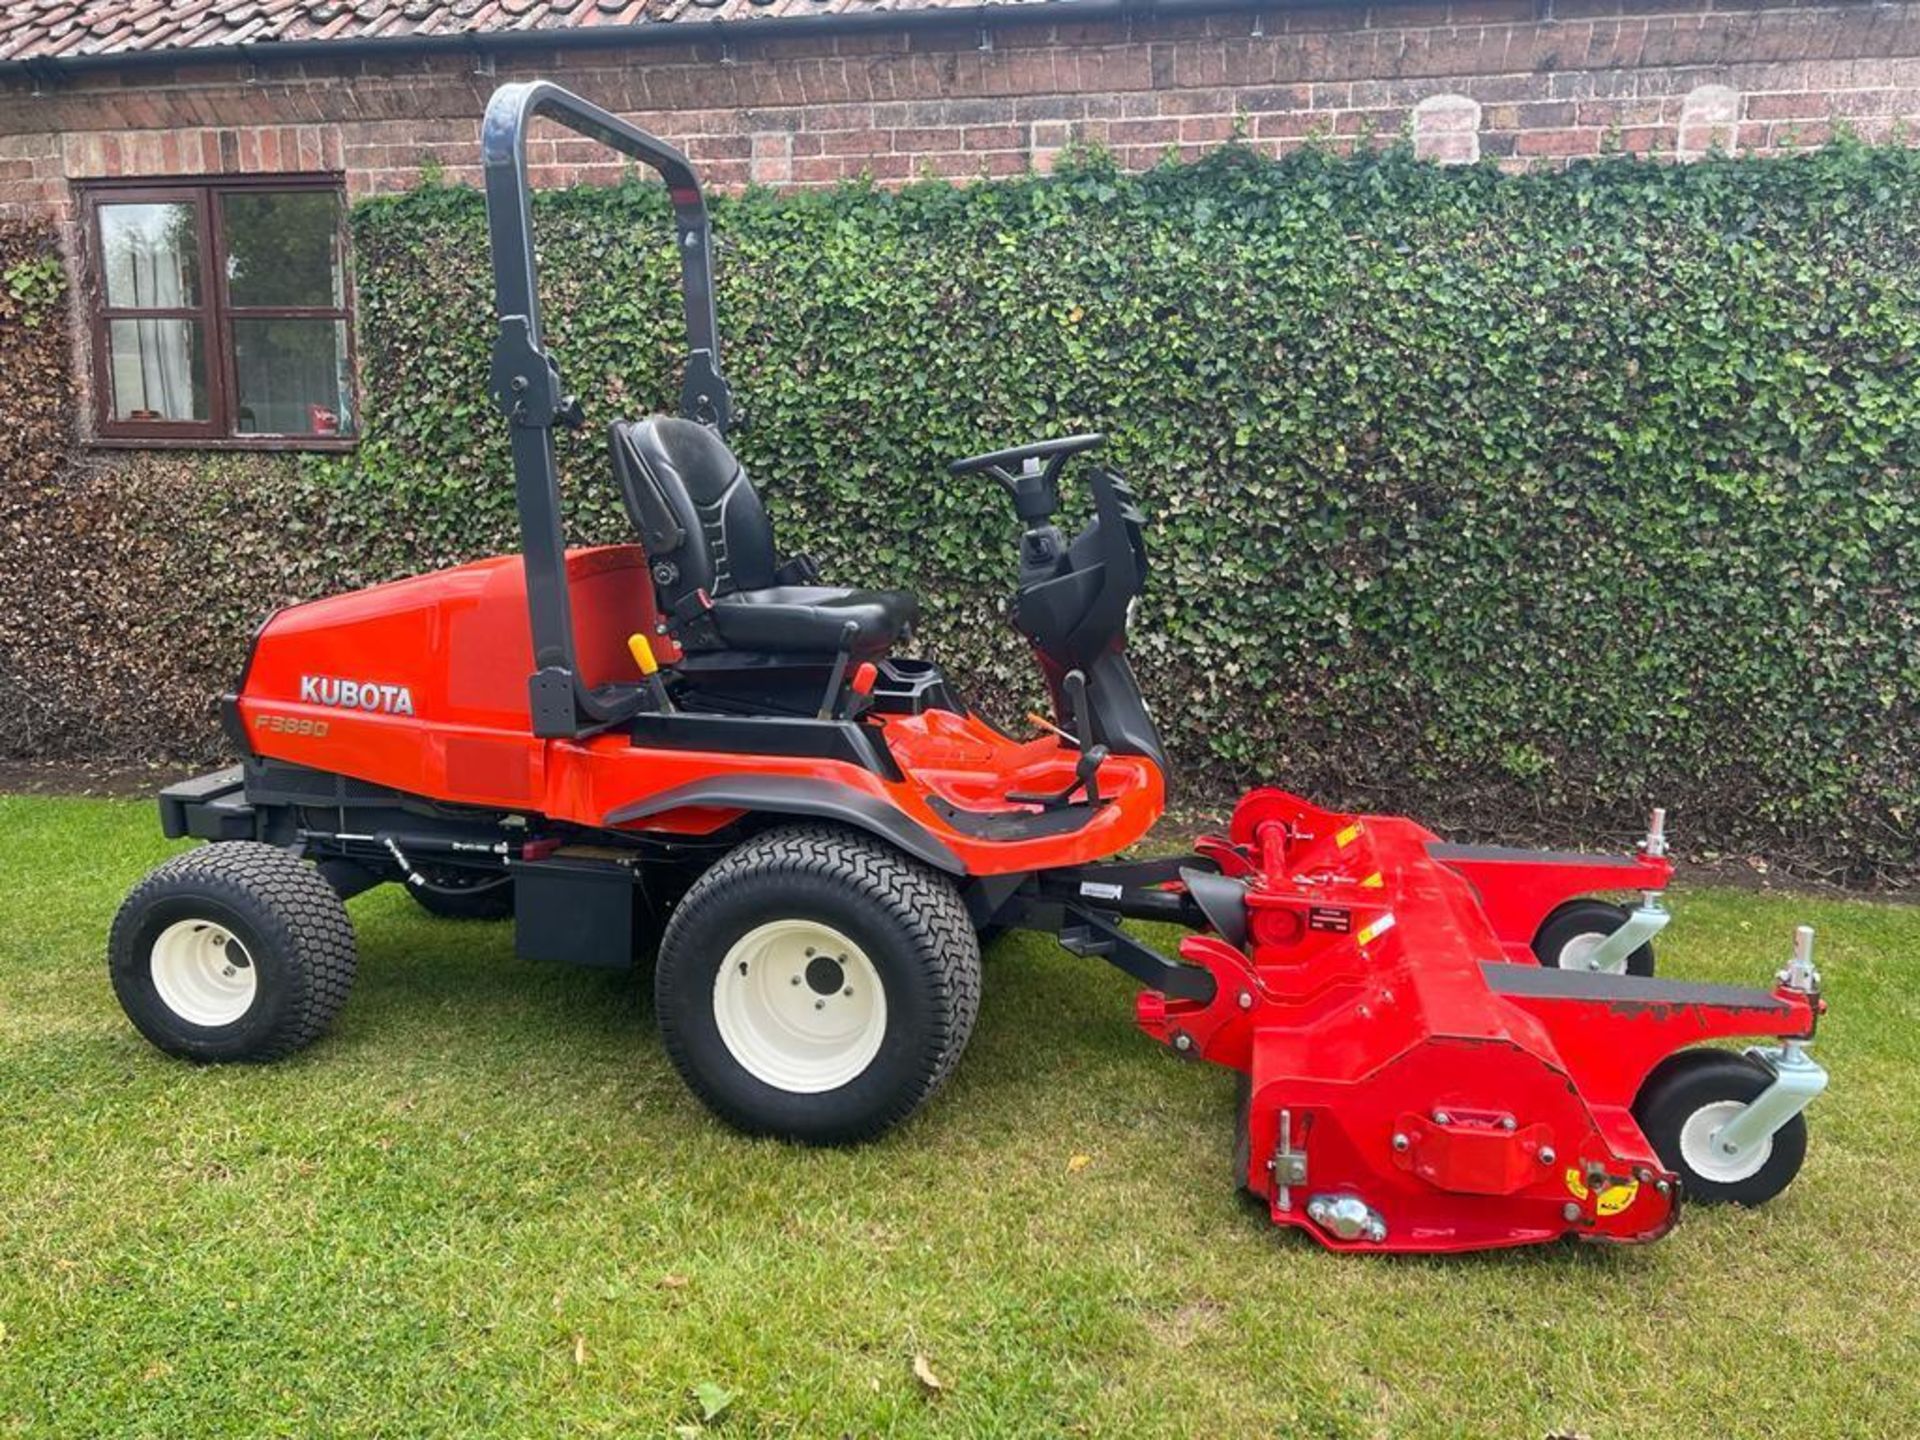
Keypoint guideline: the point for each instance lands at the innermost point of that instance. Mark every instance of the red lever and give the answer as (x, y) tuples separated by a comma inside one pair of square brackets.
[(865, 677)]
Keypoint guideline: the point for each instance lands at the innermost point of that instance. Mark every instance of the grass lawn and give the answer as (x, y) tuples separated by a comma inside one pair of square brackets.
[(485, 1205)]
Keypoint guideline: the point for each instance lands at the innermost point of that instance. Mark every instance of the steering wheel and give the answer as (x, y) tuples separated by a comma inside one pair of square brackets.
[(1035, 489), (994, 462)]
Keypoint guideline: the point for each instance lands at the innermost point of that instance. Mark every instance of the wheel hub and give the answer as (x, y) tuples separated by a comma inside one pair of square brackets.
[(1578, 953), (1707, 1158), (800, 1006), (203, 973), (824, 975)]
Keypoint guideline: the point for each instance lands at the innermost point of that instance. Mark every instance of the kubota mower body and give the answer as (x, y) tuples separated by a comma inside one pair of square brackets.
[(694, 750)]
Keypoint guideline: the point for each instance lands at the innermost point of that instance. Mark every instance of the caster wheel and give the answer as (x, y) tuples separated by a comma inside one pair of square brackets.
[(1569, 936), (817, 985), (1685, 1104), (234, 951)]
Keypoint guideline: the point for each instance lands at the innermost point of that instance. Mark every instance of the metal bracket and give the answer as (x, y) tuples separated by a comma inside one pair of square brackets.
[(1086, 932), (1289, 1165), (525, 383), (1797, 1079), (1610, 955)]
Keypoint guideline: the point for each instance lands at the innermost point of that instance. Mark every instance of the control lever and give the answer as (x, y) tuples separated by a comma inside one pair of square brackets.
[(1086, 770), (642, 651), (830, 701)]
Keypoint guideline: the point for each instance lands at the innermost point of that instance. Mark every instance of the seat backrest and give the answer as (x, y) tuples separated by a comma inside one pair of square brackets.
[(695, 508)]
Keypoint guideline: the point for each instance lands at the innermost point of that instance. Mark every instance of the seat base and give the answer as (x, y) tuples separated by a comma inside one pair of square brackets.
[(745, 682), (797, 619)]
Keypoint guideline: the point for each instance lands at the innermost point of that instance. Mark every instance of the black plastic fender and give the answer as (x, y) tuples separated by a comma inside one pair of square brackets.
[(796, 795)]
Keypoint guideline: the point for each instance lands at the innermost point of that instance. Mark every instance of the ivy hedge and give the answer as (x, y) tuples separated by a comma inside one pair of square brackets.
[(1524, 501)]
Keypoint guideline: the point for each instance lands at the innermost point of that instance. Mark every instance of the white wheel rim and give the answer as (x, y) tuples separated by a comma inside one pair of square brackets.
[(203, 973), (1699, 1147), (1577, 954), (799, 1006)]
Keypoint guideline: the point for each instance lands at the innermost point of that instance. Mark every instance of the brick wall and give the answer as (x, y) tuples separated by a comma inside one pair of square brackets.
[(1531, 82), (1528, 82)]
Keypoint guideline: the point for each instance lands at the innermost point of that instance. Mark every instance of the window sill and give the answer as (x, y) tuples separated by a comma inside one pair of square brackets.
[(270, 444)]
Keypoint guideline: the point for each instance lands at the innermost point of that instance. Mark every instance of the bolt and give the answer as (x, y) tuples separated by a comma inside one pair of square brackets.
[(1643, 1174), (1376, 1232), (743, 967), (1440, 1117), (1183, 1042), (227, 970), (1400, 1142), (1546, 1154), (819, 1004), (1663, 1187), (1507, 1122), (1570, 1210), (848, 992), (794, 981), (1727, 1147), (1246, 1000)]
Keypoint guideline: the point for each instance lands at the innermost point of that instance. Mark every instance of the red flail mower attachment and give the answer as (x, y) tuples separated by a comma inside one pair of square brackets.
[(1415, 1081)]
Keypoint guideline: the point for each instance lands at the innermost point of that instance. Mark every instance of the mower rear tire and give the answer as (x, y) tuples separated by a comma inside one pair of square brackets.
[(1575, 930), (456, 894), (234, 951), (1691, 1097), (818, 985)]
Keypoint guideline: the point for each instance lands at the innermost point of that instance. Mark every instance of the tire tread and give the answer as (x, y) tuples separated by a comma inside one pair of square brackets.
[(295, 908), (925, 903)]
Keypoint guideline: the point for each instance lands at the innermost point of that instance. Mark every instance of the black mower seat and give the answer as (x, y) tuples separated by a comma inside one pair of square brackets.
[(705, 529), (812, 617)]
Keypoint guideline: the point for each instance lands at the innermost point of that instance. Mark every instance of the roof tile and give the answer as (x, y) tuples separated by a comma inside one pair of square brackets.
[(43, 29)]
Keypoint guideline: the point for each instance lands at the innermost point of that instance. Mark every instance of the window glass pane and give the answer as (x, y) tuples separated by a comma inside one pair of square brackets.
[(151, 255), (159, 369), (293, 377), (283, 248)]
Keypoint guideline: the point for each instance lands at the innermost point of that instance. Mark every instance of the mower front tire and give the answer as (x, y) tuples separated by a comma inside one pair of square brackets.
[(817, 985), (1688, 1099), (234, 951), (1575, 930)]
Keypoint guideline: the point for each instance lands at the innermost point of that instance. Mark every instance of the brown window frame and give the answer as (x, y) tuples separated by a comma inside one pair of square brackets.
[(215, 311)]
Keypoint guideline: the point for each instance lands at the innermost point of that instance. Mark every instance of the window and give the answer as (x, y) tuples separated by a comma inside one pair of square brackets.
[(220, 312)]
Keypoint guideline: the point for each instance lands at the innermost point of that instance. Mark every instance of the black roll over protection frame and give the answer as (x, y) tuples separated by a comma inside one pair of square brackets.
[(525, 381)]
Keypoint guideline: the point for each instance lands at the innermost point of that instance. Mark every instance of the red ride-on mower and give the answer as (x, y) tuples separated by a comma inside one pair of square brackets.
[(692, 742)]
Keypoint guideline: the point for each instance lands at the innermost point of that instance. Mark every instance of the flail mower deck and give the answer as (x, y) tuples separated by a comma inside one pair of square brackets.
[(691, 746)]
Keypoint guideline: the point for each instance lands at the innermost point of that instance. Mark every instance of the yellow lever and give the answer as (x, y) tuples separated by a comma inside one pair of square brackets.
[(643, 654), (641, 649)]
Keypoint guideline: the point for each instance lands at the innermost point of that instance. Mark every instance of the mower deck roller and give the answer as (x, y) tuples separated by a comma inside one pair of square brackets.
[(693, 746)]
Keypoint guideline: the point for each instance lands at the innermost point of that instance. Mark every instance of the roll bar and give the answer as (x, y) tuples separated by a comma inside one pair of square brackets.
[(525, 381)]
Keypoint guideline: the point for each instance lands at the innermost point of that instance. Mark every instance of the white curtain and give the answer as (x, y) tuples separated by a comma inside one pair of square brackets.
[(155, 372)]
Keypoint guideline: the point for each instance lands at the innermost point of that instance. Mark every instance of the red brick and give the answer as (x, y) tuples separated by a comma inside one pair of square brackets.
[(989, 137), (854, 142), (920, 142), (1788, 107), (1204, 129), (1558, 142), (1143, 132)]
